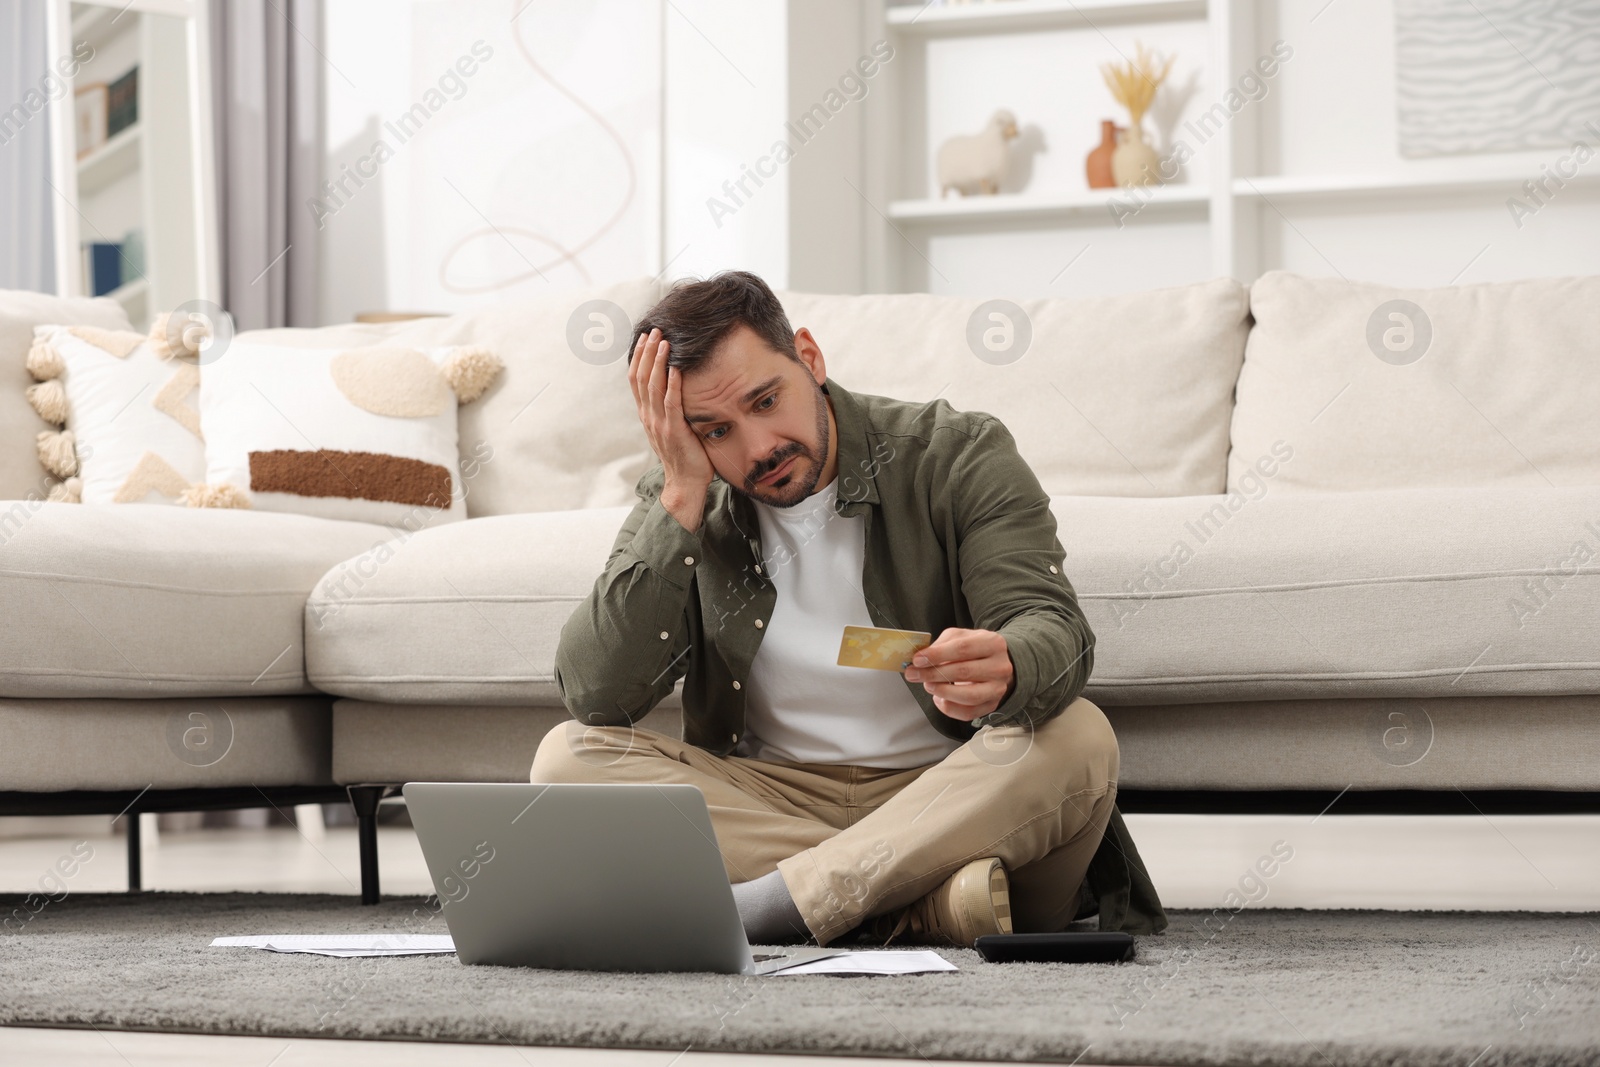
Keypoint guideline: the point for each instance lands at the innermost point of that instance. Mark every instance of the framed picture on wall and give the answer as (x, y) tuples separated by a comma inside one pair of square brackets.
[(1465, 86), (92, 107)]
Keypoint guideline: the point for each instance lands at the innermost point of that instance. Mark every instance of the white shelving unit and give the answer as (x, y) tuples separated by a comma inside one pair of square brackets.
[(1099, 203), (95, 23), (155, 175), (1241, 200), (1364, 186), (1014, 16), (104, 166), (897, 150)]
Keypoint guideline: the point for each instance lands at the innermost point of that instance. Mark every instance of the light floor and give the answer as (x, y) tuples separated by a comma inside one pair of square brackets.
[(1480, 863)]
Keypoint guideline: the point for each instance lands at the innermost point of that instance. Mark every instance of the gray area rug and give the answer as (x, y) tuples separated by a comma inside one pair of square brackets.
[(1259, 987)]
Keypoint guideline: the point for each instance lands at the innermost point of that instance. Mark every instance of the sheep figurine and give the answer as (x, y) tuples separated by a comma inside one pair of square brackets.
[(977, 163)]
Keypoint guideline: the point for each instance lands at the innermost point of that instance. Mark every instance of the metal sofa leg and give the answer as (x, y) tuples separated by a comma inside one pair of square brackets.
[(364, 798), (135, 853)]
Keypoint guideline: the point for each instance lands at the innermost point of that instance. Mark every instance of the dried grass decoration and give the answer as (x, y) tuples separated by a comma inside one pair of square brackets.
[(1134, 85)]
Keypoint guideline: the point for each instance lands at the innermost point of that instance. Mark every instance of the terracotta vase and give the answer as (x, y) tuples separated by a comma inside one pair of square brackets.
[(1098, 163), (1135, 162)]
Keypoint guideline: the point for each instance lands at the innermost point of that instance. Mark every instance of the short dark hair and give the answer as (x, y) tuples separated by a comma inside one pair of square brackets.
[(695, 317)]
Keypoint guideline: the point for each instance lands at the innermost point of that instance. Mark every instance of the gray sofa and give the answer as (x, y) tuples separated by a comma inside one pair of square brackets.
[(1323, 567)]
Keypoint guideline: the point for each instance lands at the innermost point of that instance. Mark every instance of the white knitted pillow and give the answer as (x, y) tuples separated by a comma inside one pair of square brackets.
[(365, 434), (129, 430)]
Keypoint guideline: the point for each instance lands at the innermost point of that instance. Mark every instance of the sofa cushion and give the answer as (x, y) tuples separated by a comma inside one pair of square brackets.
[(1267, 595), (468, 613), (20, 474), (555, 431), (1376, 387), (1253, 595), (110, 600), (367, 435), (1114, 396)]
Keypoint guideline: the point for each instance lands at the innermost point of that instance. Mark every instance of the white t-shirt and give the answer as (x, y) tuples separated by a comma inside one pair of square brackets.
[(800, 705)]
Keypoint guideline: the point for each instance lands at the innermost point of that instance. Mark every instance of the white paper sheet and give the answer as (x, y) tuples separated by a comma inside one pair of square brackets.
[(345, 946), (809, 961), (885, 962)]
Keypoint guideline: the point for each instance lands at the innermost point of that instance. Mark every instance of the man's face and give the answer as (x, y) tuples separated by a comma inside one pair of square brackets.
[(763, 418)]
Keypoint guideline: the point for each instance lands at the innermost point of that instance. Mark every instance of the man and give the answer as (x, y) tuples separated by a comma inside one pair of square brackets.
[(971, 792)]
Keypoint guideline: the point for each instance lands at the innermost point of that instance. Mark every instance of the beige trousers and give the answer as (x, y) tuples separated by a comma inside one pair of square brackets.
[(854, 842)]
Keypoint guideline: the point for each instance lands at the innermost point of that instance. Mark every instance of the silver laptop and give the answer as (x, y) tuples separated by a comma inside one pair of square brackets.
[(583, 877)]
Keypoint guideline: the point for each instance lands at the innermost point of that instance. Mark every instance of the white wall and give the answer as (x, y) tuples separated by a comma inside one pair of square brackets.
[(539, 170), (750, 185), (364, 247), (712, 74), (726, 90)]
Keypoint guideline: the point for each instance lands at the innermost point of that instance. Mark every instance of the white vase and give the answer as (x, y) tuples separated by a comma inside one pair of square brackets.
[(1134, 162)]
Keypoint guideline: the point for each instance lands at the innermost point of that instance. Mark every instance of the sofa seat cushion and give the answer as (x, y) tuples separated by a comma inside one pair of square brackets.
[(468, 613), (1387, 593), (1383, 593), (116, 600)]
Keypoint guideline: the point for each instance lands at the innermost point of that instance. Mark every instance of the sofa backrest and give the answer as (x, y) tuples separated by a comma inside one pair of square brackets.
[(1118, 396), (1112, 396), (1377, 387), (21, 477)]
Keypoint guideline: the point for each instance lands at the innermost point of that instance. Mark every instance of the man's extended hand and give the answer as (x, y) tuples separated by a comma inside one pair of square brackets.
[(968, 672), (658, 390)]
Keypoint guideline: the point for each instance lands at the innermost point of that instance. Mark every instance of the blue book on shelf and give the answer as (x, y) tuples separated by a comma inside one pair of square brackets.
[(105, 267)]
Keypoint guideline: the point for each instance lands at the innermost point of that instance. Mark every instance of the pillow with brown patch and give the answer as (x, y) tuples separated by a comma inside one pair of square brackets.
[(127, 429), (366, 434)]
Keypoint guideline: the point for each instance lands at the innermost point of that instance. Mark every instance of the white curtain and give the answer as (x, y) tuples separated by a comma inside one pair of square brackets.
[(267, 82), (27, 257)]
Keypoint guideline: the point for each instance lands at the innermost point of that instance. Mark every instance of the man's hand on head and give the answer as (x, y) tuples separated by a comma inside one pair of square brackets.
[(658, 390), (967, 672)]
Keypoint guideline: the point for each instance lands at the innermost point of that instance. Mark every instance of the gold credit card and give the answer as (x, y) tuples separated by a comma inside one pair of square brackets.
[(881, 650)]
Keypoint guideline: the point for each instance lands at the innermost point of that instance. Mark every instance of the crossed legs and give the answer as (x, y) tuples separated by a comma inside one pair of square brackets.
[(853, 842)]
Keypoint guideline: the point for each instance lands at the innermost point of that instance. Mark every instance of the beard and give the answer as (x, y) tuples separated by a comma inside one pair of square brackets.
[(802, 479)]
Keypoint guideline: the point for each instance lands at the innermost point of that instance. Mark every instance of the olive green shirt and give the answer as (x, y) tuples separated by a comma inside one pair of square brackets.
[(959, 533)]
